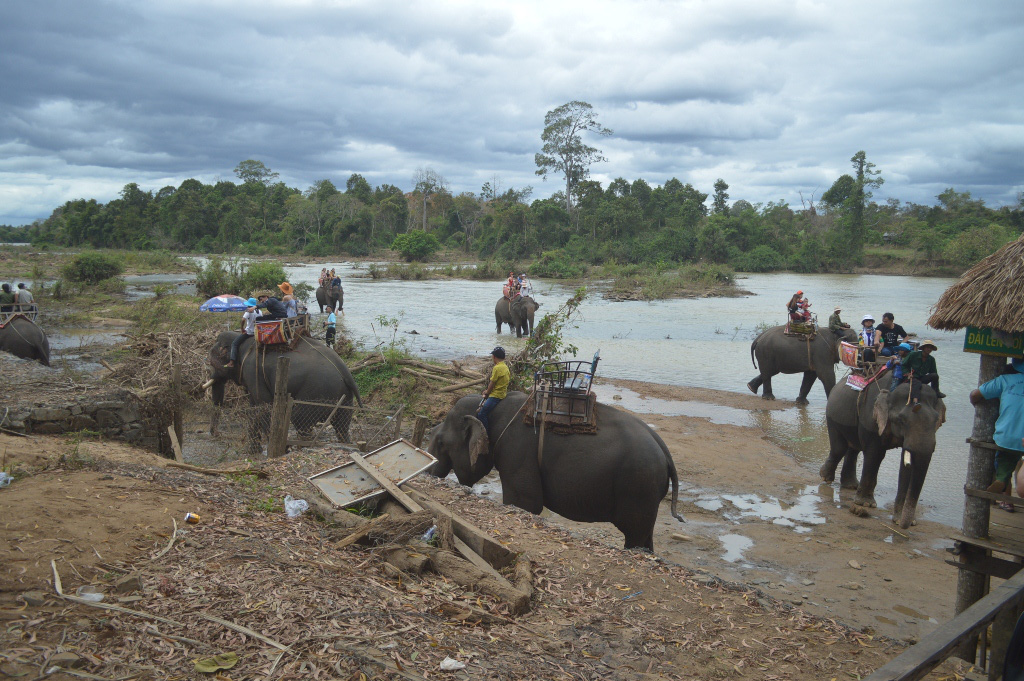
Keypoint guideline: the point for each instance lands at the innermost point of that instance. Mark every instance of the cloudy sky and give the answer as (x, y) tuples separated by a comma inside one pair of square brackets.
[(772, 96)]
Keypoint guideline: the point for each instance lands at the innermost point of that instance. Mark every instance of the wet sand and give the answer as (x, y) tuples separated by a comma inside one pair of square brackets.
[(757, 515)]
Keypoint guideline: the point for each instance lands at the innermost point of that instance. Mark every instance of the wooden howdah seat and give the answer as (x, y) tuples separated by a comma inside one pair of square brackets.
[(803, 330), (30, 315), (562, 397), (284, 333)]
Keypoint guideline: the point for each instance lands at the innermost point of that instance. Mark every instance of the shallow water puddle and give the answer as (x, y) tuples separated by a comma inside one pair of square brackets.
[(635, 402), (735, 545), (798, 515)]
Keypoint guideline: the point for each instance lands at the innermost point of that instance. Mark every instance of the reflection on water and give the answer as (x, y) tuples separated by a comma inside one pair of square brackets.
[(798, 514), (735, 545), (701, 342)]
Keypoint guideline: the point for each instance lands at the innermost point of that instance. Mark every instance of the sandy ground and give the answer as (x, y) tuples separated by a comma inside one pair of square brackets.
[(756, 515)]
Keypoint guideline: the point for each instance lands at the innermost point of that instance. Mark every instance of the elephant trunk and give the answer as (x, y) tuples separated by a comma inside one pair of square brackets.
[(909, 510), (218, 392)]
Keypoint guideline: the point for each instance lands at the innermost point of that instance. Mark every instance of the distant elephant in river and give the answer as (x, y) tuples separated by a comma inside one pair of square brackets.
[(617, 475), (315, 373), (335, 297), (778, 353), (23, 338), (872, 421), (518, 314)]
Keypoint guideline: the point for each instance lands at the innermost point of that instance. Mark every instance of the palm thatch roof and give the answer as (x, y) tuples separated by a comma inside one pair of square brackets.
[(990, 294)]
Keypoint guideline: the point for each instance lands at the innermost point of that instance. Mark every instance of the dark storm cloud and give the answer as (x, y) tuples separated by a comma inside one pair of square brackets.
[(774, 97)]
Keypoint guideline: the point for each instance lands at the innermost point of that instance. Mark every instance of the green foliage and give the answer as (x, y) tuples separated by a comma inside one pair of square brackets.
[(547, 344), (709, 274), (558, 265), (393, 348), (564, 151), (240, 278), (760, 259), (92, 267), (416, 245), (969, 247)]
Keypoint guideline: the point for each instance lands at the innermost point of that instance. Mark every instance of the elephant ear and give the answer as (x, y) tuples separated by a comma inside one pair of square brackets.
[(941, 408), (476, 439), (881, 412)]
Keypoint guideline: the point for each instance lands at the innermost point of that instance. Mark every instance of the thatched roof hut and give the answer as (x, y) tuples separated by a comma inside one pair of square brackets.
[(990, 294)]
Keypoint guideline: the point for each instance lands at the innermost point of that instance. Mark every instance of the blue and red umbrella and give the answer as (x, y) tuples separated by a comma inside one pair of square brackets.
[(224, 303)]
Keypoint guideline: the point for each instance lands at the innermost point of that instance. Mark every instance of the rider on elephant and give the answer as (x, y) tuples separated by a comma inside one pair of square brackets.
[(291, 305), (274, 307), (793, 307), (835, 324), (869, 337), (497, 388), (248, 330), (891, 334), (920, 367), (896, 364)]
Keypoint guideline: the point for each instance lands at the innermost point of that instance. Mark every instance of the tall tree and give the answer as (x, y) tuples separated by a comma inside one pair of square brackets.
[(866, 178), (719, 205), (428, 182), (259, 178), (564, 151)]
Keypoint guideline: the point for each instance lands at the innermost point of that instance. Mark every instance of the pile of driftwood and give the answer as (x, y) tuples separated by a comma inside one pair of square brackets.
[(452, 377), (407, 513)]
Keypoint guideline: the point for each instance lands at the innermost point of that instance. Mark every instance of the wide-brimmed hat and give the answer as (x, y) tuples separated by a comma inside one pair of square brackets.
[(286, 288), (927, 343), (261, 292), (252, 302), (867, 317), (838, 309)]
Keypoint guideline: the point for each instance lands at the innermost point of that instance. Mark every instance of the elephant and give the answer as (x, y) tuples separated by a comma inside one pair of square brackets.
[(315, 373), (23, 338), (335, 297), (778, 353), (619, 474), (518, 314), (874, 420)]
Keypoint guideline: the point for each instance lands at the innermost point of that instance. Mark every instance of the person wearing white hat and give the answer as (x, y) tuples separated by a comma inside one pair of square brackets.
[(869, 337)]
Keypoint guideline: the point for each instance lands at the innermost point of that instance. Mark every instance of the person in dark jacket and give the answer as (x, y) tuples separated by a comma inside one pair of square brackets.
[(920, 367), (274, 307), (892, 334)]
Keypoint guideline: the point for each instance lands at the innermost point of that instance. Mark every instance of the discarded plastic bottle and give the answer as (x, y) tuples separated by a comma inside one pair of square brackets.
[(429, 535)]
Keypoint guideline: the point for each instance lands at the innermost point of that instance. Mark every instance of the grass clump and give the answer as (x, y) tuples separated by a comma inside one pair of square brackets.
[(91, 267)]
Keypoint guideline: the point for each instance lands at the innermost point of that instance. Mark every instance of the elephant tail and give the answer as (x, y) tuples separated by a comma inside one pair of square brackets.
[(672, 476), (752, 360)]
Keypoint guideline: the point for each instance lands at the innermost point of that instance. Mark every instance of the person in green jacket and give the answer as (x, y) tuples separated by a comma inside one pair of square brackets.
[(920, 367)]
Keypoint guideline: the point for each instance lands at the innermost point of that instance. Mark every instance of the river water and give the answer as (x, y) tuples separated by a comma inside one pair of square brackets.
[(688, 342)]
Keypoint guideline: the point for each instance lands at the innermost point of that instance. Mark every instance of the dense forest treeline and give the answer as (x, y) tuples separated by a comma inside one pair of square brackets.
[(625, 222)]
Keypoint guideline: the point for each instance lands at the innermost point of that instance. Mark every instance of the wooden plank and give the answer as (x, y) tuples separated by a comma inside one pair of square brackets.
[(1009, 537), (482, 543), (920, 659), (987, 565), (392, 489), (1000, 518), (174, 444), (992, 496), (986, 543)]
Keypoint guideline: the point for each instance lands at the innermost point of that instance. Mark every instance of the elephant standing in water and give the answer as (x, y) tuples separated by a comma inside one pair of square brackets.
[(315, 373), (617, 475), (872, 421), (335, 297), (518, 314), (23, 338), (778, 353)]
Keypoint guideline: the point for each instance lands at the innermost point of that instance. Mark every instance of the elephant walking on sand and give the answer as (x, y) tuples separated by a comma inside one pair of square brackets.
[(617, 475), (23, 338), (777, 353), (518, 314), (872, 421), (334, 297), (315, 374)]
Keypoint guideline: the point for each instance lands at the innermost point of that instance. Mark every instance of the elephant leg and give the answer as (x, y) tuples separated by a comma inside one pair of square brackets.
[(341, 422), (902, 485), (828, 381), (528, 497), (755, 383), (497, 321), (917, 473), (848, 475), (767, 393), (873, 455), (637, 528), (837, 449), (805, 386)]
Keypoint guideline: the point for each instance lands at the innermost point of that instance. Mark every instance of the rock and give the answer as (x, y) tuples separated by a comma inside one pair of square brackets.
[(33, 598), (911, 640), (681, 537), (808, 582), (854, 564), (76, 410), (886, 579), (106, 418), (128, 583), (48, 428), (796, 601), (82, 422), (852, 586), (46, 414), (67, 661)]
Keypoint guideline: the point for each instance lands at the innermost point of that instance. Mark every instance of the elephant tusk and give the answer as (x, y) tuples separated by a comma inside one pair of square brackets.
[(207, 384), (906, 457)]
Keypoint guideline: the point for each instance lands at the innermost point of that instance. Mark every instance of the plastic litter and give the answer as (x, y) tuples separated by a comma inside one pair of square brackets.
[(89, 593), (450, 665), (5, 478), (428, 536), (295, 507)]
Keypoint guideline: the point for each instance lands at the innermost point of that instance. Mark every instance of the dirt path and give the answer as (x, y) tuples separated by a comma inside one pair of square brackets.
[(756, 515)]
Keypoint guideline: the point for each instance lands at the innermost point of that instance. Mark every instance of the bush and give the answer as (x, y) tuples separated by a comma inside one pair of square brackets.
[(967, 248), (761, 259), (709, 274), (557, 265), (92, 267), (220, 277), (416, 245), (258, 275)]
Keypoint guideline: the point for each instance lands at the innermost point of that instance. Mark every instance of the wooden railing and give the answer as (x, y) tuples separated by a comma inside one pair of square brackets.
[(917, 661)]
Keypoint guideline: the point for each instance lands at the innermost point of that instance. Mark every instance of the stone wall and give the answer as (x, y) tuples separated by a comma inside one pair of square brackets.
[(113, 414)]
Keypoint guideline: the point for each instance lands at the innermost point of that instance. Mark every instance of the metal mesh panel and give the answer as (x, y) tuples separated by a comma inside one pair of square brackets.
[(315, 423)]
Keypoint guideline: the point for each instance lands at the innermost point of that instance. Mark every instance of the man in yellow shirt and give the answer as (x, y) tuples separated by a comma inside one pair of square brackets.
[(497, 389)]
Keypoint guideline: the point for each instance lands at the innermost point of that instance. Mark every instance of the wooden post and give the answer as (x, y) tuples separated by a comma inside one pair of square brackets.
[(419, 430), (398, 423), (278, 443), (363, 446), (971, 586), (540, 438), (175, 447), (179, 427)]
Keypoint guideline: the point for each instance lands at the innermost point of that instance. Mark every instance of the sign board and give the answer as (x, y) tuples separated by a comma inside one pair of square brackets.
[(991, 342)]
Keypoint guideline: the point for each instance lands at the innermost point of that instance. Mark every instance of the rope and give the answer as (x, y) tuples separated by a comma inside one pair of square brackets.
[(810, 364), (533, 392)]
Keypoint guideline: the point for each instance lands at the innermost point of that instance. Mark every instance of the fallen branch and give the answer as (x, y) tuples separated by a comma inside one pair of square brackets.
[(421, 374), (467, 384), (362, 531), (244, 630), (218, 471), (103, 606), (174, 535)]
